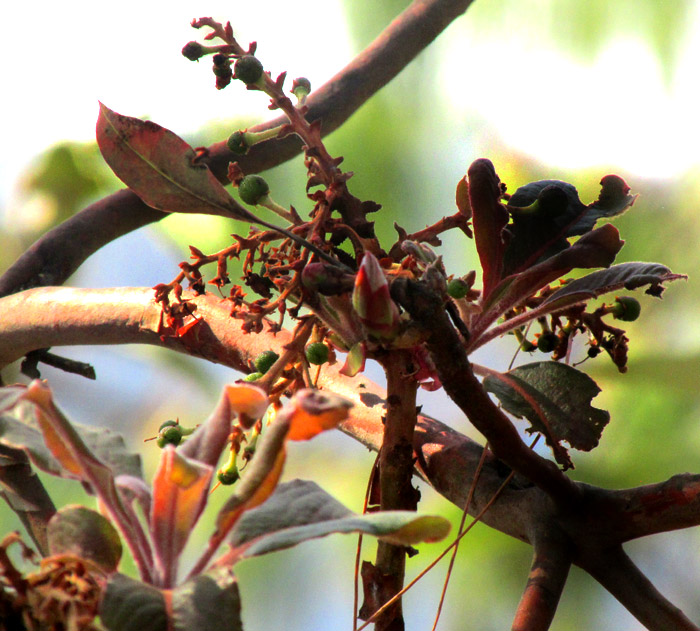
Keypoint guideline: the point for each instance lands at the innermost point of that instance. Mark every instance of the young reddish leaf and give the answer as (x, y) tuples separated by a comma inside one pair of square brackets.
[(180, 489), (372, 301), (83, 532), (625, 275), (300, 510), (556, 399), (355, 360), (211, 437), (160, 167), (311, 412), (489, 218)]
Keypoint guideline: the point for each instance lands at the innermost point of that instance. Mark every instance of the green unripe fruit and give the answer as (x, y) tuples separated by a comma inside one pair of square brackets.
[(253, 376), (248, 69), (236, 143), (547, 342), (193, 51), (228, 476), (301, 87), (317, 353), (169, 435), (252, 188), (626, 309), (457, 288), (264, 361)]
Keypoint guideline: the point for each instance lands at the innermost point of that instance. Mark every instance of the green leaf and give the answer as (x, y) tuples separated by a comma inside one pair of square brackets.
[(300, 510), (161, 168), (130, 605), (208, 602), (556, 399), (83, 532)]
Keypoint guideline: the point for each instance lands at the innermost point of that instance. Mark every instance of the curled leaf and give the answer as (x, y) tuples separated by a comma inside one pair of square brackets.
[(310, 412), (556, 399)]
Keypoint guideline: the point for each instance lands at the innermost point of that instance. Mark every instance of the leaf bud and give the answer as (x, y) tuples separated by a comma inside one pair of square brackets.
[(317, 353), (372, 301), (193, 51), (626, 309), (264, 361), (248, 69), (252, 189)]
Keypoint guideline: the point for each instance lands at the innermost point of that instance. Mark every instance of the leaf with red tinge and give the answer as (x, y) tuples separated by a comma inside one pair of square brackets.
[(161, 168), (180, 489), (556, 399), (311, 412), (83, 532), (489, 219), (355, 360), (300, 510), (623, 276)]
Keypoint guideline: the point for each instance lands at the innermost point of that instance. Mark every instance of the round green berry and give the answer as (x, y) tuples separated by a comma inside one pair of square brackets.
[(457, 288), (626, 309), (264, 361), (547, 342), (169, 435), (317, 353), (252, 188), (236, 143), (228, 476), (248, 69), (193, 51), (253, 376)]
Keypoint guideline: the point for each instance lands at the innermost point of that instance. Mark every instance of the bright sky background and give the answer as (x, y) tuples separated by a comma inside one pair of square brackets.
[(58, 61)]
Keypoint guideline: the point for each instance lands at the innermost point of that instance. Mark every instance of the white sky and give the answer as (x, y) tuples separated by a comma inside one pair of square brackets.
[(59, 60)]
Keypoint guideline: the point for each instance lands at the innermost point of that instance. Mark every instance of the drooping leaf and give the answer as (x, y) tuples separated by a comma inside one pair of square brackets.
[(161, 168), (556, 399), (208, 602), (180, 488), (489, 219), (300, 510), (130, 605), (623, 276), (83, 532)]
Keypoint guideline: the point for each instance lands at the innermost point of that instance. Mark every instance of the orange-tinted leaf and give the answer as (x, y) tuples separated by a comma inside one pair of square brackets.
[(180, 489), (161, 168), (311, 412)]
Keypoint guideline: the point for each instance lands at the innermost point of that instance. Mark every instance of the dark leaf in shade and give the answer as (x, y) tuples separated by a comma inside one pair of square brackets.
[(130, 605), (556, 399)]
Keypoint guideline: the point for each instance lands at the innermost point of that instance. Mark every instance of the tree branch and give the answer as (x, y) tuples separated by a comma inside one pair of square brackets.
[(59, 253)]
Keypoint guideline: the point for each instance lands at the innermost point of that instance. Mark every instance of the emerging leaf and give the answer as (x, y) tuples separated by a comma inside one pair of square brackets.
[(372, 301), (556, 399)]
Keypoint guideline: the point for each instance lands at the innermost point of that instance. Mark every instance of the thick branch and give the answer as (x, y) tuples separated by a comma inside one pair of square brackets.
[(615, 571), (550, 569), (456, 374), (59, 253)]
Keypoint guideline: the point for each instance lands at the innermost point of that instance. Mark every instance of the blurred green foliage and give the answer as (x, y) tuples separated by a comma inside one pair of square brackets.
[(408, 155)]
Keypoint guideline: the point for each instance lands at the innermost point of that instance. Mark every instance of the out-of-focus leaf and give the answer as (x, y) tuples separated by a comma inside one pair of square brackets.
[(311, 412), (300, 510), (622, 276), (20, 429), (489, 218), (25, 494), (130, 605), (556, 399), (83, 532), (208, 602), (161, 168), (180, 488)]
